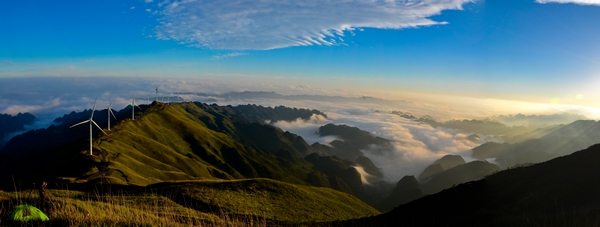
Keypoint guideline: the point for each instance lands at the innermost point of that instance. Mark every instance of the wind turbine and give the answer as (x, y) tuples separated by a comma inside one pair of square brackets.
[(109, 113), (179, 96), (133, 106), (156, 93), (91, 122), (148, 98)]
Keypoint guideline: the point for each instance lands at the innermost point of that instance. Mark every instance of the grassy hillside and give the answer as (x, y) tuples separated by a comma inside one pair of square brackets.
[(173, 143), (257, 202), (274, 200), (200, 154)]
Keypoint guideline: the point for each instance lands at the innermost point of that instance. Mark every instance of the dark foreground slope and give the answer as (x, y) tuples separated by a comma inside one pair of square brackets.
[(560, 192)]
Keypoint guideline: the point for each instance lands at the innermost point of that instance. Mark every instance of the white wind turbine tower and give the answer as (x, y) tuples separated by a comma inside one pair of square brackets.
[(91, 122), (109, 113), (148, 102), (156, 93), (133, 106)]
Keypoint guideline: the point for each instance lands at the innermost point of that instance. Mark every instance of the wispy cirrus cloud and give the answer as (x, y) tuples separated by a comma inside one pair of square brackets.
[(228, 55), (580, 2), (271, 24)]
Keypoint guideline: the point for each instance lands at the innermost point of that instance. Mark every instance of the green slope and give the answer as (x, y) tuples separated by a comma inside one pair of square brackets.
[(273, 200), (193, 152), (173, 143)]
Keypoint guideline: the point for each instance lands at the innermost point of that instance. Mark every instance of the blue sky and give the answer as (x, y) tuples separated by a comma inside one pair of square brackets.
[(527, 50)]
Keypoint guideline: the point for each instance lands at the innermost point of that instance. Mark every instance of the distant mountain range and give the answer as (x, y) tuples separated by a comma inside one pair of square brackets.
[(210, 98), (10, 124), (545, 144), (510, 128)]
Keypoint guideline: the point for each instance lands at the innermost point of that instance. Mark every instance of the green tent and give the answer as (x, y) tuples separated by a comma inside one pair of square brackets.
[(28, 213)]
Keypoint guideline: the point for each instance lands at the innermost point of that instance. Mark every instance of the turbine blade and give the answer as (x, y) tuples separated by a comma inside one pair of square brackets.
[(113, 114), (99, 127), (94, 108), (83, 122), (138, 107)]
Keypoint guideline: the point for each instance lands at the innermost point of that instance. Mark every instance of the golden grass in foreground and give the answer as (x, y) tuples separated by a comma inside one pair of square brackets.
[(249, 202), (73, 208), (275, 200)]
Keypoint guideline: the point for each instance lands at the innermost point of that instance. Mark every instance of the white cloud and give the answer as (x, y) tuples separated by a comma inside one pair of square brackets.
[(15, 109), (580, 2), (229, 55), (416, 145), (270, 24), (133, 7), (148, 1)]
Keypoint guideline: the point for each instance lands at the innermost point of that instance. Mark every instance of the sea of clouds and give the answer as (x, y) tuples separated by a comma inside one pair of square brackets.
[(416, 144)]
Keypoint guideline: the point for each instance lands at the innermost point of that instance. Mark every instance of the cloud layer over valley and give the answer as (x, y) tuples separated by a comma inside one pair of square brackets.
[(415, 144)]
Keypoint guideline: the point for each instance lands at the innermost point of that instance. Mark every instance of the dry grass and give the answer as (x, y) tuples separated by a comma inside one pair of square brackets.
[(74, 208)]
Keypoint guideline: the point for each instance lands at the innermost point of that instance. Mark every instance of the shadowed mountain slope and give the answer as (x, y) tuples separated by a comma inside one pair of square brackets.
[(407, 189), (440, 165), (459, 174), (352, 141), (559, 192)]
